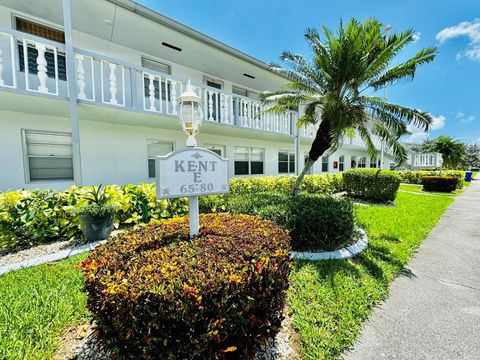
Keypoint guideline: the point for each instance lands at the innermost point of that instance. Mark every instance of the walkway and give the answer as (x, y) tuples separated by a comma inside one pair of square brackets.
[(433, 310)]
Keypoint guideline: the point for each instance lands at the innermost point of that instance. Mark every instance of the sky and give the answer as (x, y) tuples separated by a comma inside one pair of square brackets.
[(448, 88)]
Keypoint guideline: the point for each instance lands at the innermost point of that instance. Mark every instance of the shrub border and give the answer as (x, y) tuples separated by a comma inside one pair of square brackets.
[(340, 254)]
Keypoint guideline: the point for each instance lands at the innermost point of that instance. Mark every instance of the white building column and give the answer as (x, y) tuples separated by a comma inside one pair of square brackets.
[(299, 163), (72, 92)]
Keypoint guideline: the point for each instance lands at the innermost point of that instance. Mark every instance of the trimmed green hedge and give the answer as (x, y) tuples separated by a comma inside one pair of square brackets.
[(371, 184), (415, 177), (445, 184), (313, 184), (156, 295), (315, 222)]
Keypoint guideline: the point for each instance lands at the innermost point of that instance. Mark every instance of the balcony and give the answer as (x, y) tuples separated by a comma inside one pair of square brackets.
[(33, 65), (353, 142)]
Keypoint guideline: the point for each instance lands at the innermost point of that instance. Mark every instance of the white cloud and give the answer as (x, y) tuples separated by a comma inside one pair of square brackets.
[(465, 118), (417, 135), (416, 37), (469, 29)]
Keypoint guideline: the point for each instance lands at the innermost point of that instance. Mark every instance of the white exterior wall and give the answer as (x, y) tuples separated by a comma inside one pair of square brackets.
[(115, 153)]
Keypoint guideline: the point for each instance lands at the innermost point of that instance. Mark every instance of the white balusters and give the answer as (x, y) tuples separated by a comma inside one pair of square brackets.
[(81, 77), (210, 105), (41, 68), (174, 97), (2, 83), (113, 84), (151, 92)]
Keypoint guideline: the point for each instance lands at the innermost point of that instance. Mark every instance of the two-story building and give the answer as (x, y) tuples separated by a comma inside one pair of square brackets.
[(88, 93)]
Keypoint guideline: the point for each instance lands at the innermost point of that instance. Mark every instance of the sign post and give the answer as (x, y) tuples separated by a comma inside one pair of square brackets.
[(191, 172)]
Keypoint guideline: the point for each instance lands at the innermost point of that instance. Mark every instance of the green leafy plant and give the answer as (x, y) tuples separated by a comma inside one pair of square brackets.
[(439, 183), (371, 184), (415, 177), (97, 203), (315, 222), (155, 294)]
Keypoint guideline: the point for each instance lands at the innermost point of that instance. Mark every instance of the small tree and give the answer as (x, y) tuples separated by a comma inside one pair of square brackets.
[(452, 151), (472, 156), (337, 87)]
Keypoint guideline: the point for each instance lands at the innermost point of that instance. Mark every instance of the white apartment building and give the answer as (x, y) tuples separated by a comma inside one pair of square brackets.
[(88, 93)]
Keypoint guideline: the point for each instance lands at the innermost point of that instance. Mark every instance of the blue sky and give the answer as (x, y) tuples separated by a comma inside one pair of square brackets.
[(449, 88)]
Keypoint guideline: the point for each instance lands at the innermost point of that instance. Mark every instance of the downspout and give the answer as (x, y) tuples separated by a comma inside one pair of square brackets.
[(298, 162), (72, 92)]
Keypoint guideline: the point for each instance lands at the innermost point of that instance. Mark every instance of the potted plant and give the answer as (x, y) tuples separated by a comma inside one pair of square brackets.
[(96, 216)]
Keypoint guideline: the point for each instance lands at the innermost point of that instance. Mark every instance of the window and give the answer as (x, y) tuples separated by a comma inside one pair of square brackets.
[(324, 163), (217, 149), (156, 65), (341, 163), (373, 162), (286, 162), (244, 92), (248, 161), (353, 162), (362, 162), (40, 30), (156, 148), (48, 155), (46, 32)]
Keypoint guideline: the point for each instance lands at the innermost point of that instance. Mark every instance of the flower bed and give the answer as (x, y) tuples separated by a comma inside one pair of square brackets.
[(154, 294)]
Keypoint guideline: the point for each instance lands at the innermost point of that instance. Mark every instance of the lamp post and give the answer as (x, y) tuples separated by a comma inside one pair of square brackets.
[(190, 114)]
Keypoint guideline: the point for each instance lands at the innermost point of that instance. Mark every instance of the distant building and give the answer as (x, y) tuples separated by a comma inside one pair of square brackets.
[(129, 65)]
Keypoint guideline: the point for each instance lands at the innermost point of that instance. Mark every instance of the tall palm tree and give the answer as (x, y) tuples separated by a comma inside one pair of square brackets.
[(452, 151), (337, 87)]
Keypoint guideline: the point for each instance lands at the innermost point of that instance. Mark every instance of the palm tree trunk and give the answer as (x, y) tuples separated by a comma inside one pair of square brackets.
[(322, 142)]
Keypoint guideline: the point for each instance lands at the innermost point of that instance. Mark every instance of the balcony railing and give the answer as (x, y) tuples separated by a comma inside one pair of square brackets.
[(35, 65)]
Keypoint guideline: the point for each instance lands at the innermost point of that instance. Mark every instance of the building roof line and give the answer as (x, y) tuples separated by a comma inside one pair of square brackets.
[(186, 30)]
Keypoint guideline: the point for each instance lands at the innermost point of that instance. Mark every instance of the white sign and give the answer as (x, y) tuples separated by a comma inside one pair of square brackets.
[(189, 172)]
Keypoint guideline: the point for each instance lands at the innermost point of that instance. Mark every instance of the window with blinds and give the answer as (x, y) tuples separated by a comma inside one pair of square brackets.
[(156, 65), (286, 162), (324, 163), (48, 155), (248, 161), (156, 148)]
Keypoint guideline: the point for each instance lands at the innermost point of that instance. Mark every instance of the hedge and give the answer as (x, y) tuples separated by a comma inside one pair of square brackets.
[(315, 222), (371, 184), (313, 184), (156, 295), (439, 183), (415, 177), (30, 217)]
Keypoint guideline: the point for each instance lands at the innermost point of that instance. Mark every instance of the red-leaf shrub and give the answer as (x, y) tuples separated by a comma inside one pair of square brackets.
[(439, 183), (154, 294)]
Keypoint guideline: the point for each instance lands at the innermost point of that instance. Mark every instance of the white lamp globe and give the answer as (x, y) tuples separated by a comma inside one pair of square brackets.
[(190, 113)]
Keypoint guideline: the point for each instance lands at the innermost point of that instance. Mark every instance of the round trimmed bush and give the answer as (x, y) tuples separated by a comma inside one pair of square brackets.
[(445, 184), (315, 222), (155, 294), (371, 184)]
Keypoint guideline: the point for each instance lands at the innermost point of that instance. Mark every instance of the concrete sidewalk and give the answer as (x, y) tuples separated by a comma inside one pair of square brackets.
[(433, 310)]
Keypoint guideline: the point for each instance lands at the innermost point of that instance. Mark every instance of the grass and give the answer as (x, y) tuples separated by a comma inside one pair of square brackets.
[(329, 300), (419, 189), (36, 305)]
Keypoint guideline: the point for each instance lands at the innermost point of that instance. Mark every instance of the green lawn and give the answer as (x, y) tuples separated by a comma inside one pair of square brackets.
[(419, 189), (36, 305), (330, 300)]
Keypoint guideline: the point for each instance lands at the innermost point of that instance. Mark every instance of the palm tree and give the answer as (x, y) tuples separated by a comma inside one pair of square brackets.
[(337, 87), (452, 151)]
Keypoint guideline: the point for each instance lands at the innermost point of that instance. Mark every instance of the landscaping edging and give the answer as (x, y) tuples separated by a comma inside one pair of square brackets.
[(344, 253)]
